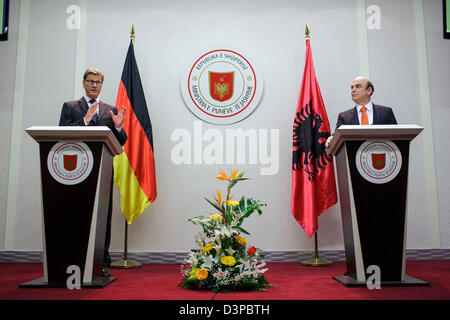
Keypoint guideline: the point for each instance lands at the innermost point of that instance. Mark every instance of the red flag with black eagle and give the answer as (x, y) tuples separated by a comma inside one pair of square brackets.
[(313, 181)]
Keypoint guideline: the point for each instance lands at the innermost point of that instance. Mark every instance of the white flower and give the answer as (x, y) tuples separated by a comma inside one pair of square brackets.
[(245, 269), (238, 278), (207, 262), (262, 264), (246, 264), (219, 275), (230, 251), (224, 231), (191, 257)]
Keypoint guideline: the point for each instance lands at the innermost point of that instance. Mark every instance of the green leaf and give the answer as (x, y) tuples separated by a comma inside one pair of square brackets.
[(241, 230), (242, 204), (227, 216), (215, 205), (197, 222), (232, 183), (239, 176)]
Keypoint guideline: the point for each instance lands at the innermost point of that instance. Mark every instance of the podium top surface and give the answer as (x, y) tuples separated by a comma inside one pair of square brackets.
[(358, 132), (57, 133)]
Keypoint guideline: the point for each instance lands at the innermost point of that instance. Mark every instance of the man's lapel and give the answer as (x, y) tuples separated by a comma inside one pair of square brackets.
[(376, 115), (354, 116), (83, 105), (102, 111)]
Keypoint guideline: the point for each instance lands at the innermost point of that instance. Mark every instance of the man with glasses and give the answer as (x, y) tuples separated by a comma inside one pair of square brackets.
[(90, 111)]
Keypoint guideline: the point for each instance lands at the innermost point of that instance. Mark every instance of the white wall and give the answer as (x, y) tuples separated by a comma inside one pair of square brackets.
[(406, 58)]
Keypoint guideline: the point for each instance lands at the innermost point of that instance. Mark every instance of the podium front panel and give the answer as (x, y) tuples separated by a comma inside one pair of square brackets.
[(68, 212), (379, 211)]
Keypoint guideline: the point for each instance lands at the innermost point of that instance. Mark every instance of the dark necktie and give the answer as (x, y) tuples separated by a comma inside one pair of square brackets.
[(95, 117)]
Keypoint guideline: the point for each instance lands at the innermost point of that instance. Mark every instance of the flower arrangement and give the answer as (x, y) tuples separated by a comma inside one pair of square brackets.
[(225, 261)]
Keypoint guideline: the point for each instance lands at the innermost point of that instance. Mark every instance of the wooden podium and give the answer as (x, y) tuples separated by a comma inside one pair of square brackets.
[(76, 176), (372, 171)]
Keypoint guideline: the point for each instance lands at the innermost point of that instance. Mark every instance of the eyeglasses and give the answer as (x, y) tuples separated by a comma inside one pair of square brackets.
[(91, 82)]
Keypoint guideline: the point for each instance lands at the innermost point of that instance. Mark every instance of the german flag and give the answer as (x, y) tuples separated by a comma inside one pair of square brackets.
[(134, 169)]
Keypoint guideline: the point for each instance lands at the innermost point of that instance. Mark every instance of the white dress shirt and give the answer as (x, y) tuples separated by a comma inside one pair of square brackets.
[(90, 104)]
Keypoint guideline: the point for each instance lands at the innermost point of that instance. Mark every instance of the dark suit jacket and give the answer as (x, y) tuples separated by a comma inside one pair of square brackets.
[(381, 115), (73, 112)]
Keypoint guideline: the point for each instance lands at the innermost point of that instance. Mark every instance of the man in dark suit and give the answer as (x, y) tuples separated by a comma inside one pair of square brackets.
[(364, 112), (90, 111)]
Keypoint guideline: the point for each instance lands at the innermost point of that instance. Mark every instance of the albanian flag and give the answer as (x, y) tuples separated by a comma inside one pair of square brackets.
[(313, 182), (134, 169)]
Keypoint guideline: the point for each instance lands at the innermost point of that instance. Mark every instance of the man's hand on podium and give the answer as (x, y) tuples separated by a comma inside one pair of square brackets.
[(327, 144)]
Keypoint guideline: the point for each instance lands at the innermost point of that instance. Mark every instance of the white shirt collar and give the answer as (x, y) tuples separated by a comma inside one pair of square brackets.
[(89, 99), (369, 106)]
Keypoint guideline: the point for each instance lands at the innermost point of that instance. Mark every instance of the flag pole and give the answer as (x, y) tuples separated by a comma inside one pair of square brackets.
[(316, 261), (125, 263)]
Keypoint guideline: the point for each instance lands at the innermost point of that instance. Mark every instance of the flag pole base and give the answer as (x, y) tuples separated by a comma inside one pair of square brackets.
[(125, 264), (317, 262)]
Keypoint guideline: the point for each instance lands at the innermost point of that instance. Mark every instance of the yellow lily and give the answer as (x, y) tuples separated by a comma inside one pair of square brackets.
[(193, 274), (202, 274), (232, 203), (208, 247)]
